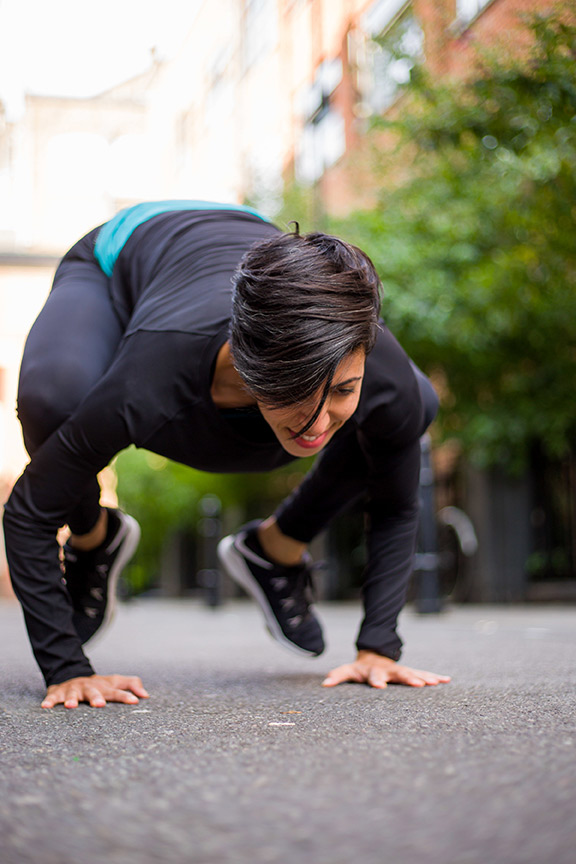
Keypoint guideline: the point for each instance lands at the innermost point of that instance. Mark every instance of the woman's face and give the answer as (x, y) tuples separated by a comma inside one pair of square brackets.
[(341, 403)]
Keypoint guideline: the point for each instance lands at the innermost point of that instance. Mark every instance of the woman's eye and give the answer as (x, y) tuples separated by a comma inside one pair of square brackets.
[(344, 391)]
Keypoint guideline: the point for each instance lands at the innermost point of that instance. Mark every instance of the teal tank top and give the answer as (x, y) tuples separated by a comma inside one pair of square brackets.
[(115, 233)]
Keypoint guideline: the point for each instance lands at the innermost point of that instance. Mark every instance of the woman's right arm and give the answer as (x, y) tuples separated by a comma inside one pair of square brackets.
[(39, 505)]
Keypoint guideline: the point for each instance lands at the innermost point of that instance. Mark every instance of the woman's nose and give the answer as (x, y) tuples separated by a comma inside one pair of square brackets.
[(321, 423)]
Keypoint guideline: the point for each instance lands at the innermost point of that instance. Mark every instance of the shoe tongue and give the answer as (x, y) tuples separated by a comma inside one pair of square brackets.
[(112, 528), (253, 543)]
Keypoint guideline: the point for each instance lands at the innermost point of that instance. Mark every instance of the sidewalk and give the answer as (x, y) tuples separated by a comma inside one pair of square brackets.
[(240, 756)]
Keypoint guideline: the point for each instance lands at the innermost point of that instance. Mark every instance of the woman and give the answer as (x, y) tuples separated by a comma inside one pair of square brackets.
[(201, 332)]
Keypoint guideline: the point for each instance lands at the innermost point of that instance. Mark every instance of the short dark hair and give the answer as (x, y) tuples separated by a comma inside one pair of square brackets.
[(301, 304)]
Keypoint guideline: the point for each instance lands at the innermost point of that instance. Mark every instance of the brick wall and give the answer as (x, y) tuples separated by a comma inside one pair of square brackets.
[(451, 50)]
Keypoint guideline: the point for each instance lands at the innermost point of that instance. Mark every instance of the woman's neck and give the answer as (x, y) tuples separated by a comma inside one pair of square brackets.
[(227, 388)]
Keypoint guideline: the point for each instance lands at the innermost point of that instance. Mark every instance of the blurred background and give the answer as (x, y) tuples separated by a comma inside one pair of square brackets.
[(438, 135)]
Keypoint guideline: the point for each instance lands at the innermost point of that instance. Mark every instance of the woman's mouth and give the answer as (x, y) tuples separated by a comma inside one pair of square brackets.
[(311, 442)]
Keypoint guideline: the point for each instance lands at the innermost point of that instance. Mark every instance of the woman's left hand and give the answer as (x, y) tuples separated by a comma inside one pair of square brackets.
[(378, 671)]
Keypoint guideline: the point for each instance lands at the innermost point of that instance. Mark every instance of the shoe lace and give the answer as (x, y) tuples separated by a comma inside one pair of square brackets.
[(302, 590)]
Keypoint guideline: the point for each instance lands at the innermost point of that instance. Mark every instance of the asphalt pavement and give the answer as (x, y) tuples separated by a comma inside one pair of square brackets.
[(240, 756)]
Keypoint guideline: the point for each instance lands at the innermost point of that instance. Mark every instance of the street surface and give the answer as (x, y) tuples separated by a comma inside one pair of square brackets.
[(241, 757)]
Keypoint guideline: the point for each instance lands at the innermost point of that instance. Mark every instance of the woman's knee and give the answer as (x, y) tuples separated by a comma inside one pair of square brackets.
[(46, 398), (428, 395), (430, 400)]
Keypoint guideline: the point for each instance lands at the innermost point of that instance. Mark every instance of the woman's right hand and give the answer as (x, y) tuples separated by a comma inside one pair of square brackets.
[(96, 690)]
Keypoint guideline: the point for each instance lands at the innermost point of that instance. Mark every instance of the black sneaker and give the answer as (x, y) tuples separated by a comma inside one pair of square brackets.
[(283, 593), (92, 577)]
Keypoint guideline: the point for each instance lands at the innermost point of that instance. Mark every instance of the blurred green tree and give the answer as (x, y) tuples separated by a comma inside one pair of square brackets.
[(476, 247)]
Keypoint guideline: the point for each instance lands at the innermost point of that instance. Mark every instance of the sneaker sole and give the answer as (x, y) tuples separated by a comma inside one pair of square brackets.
[(235, 566), (129, 538)]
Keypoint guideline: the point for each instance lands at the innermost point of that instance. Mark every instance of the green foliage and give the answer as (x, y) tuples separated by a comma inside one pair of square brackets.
[(163, 496), (476, 250)]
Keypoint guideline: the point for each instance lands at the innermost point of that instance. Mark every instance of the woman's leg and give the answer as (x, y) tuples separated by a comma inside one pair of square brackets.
[(428, 395), (69, 348)]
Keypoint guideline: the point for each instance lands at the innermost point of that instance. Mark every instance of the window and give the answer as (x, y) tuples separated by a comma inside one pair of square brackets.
[(321, 145), (380, 15), (323, 139), (387, 57), (260, 29), (466, 10)]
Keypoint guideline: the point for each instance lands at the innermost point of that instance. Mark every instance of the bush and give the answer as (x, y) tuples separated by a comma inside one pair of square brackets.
[(163, 496)]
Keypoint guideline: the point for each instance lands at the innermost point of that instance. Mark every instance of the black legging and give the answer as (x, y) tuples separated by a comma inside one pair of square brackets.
[(55, 378)]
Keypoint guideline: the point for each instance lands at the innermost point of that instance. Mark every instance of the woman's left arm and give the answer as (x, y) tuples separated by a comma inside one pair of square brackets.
[(391, 533), (392, 525)]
